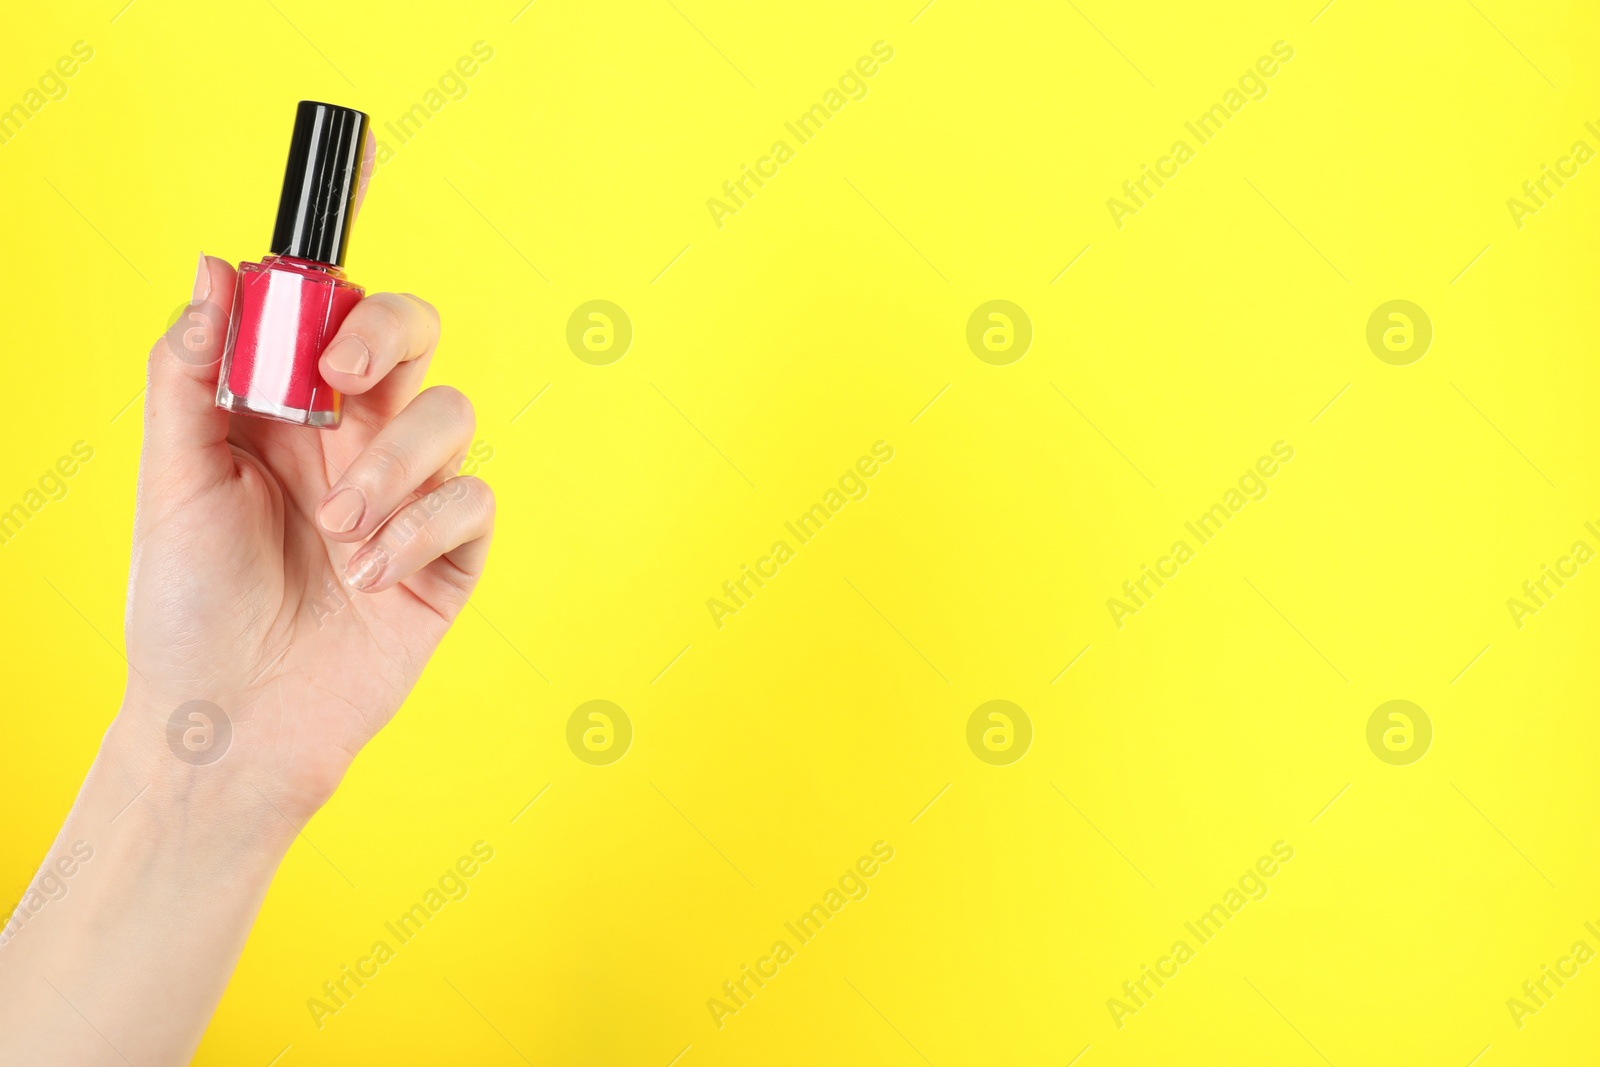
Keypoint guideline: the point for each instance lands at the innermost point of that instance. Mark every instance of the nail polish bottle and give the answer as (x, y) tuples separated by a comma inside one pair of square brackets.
[(287, 307)]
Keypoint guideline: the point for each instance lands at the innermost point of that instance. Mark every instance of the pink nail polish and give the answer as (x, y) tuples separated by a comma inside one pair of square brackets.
[(287, 307), (342, 511)]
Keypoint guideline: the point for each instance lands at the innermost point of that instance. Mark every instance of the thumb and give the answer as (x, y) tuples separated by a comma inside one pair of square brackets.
[(185, 433)]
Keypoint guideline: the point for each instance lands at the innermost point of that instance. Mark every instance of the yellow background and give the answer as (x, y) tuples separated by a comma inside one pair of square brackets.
[(827, 714)]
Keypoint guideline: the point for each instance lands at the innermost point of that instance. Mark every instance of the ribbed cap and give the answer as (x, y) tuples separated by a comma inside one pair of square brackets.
[(320, 183)]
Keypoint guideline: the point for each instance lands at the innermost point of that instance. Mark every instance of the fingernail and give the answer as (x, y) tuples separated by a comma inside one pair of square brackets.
[(349, 355), (342, 510), (202, 280), (365, 570)]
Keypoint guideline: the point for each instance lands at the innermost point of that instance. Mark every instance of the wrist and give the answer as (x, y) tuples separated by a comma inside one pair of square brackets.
[(182, 772)]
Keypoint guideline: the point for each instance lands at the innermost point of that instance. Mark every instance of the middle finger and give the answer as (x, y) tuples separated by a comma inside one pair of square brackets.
[(430, 436)]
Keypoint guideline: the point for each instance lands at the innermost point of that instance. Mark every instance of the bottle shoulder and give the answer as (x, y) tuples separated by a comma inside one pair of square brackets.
[(309, 270)]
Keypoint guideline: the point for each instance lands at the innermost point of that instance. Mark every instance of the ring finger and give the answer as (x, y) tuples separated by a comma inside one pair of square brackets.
[(453, 521)]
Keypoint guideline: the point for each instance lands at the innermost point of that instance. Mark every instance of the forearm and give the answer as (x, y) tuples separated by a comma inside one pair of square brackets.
[(124, 942)]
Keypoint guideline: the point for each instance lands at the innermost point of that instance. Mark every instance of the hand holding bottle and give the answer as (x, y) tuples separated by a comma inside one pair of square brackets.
[(298, 579), (290, 581)]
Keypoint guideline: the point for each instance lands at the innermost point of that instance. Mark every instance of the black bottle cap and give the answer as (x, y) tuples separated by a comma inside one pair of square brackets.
[(320, 183)]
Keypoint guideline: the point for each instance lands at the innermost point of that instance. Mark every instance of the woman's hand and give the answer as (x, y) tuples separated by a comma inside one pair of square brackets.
[(288, 586), (297, 579)]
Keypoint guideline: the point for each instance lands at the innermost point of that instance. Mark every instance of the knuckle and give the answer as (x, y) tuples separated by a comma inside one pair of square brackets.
[(483, 493), (183, 346), (410, 524), (455, 404), (472, 492), (407, 532), (385, 464), (383, 322), (430, 312)]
